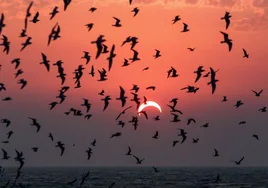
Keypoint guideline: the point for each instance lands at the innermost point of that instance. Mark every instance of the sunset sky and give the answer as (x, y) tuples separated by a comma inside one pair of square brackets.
[(153, 26)]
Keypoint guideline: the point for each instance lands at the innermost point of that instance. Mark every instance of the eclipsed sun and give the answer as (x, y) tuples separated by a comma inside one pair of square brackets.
[(149, 103)]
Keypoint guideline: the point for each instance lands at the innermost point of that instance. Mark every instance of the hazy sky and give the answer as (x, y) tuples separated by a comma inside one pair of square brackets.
[(153, 27)]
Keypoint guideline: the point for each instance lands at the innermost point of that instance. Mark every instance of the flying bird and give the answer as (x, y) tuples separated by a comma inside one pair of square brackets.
[(255, 136), (191, 49), (92, 9), (135, 56), (86, 56), (35, 124), (122, 97), (23, 83), (54, 12), (61, 146), (45, 61), (2, 24), (239, 162), (216, 153), (227, 17), (157, 54), (89, 26), (111, 57), (117, 23), (123, 112), (129, 151), (117, 134), (227, 40), (28, 14), (6, 44), (136, 11), (139, 161), (16, 61), (246, 55), (177, 18), (35, 18), (155, 135), (199, 72), (213, 80), (106, 102), (66, 4), (185, 28)]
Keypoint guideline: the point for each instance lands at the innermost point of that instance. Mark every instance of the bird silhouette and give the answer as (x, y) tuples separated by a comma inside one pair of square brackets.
[(227, 40), (129, 151), (54, 12), (106, 102), (257, 94), (246, 55), (227, 17), (117, 23), (123, 112), (135, 56), (5, 155), (138, 160), (216, 153), (61, 146), (92, 72), (111, 57), (92, 9), (155, 169), (35, 18), (66, 4), (122, 97), (213, 80), (103, 75), (86, 56), (23, 33), (238, 103), (45, 61), (6, 44), (89, 26), (175, 142), (136, 11), (117, 134), (157, 54), (28, 14), (2, 24), (185, 28), (239, 162), (155, 135), (191, 49), (35, 124), (177, 18), (23, 83), (183, 135)]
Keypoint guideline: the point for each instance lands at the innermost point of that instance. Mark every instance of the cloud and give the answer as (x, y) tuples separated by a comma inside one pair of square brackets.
[(254, 22), (17, 8), (255, 10), (191, 1), (260, 3)]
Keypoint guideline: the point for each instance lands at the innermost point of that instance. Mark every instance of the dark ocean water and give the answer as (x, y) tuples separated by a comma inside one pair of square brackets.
[(141, 177)]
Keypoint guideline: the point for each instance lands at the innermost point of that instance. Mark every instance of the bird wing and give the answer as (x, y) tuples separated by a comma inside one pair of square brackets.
[(227, 22), (99, 50)]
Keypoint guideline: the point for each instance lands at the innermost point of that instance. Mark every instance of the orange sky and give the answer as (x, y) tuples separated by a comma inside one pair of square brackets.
[(152, 25)]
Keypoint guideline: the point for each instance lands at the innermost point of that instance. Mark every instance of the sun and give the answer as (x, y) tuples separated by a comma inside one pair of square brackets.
[(149, 103)]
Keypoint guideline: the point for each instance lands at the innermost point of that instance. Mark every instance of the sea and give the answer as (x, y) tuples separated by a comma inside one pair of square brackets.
[(140, 177)]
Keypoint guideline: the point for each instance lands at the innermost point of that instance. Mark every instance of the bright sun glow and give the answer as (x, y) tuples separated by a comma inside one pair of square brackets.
[(149, 103)]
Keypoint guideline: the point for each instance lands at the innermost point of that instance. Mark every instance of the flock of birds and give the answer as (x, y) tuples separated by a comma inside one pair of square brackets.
[(103, 74)]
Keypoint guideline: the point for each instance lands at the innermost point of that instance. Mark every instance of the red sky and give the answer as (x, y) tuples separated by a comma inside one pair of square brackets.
[(237, 75)]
